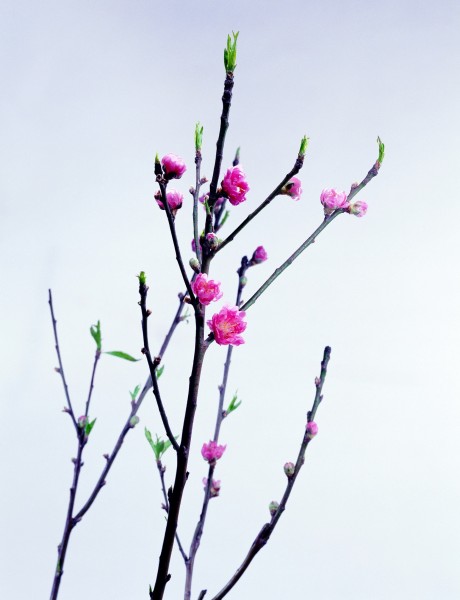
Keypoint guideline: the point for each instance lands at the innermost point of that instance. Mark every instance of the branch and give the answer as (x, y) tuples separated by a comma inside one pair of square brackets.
[(153, 364), (161, 471), (61, 367), (295, 169), (264, 534), (97, 356)]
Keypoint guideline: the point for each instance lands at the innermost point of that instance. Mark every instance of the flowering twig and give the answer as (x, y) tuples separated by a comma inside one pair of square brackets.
[(295, 169), (264, 534), (60, 369), (153, 363), (195, 544)]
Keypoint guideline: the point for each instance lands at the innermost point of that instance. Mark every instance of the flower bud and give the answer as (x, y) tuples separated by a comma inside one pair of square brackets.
[(82, 421), (195, 264), (312, 429), (358, 208), (212, 240), (289, 469), (259, 256), (173, 166), (273, 507), (133, 421), (243, 281)]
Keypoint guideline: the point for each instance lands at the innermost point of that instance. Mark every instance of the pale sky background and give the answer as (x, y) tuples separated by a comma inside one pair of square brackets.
[(91, 90)]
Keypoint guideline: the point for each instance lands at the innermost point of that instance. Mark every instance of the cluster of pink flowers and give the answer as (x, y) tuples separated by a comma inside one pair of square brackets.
[(332, 200), (227, 325), (206, 291), (311, 429), (212, 451), (260, 255), (214, 488), (174, 199), (173, 166), (235, 186), (293, 188)]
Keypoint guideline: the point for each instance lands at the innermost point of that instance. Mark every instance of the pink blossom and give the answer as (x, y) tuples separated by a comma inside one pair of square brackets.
[(82, 421), (289, 469), (174, 199), (332, 199), (227, 324), (259, 256), (235, 185), (293, 189), (212, 451), (312, 429), (358, 208), (206, 291), (212, 240), (214, 488), (173, 166)]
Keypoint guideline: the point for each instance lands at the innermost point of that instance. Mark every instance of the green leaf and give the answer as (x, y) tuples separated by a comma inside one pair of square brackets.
[(159, 371), (134, 393), (198, 136), (142, 276), (234, 403), (95, 331), (123, 355), (159, 447), (224, 218), (230, 53), (303, 146), (381, 151), (89, 427)]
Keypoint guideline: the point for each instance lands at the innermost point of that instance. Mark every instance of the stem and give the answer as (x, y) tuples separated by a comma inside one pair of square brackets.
[(290, 260), (163, 576), (295, 169), (196, 540), (153, 365), (91, 385), (70, 522), (61, 367), (196, 196), (161, 471), (264, 534)]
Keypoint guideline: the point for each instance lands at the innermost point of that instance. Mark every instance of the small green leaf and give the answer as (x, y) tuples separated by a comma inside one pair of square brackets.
[(381, 151), (303, 146), (134, 393), (123, 355), (142, 278), (234, 403), (95, 331), (89, 427), (230, 53), (198, 136), (159, 447), (224, 218), (159, 371)]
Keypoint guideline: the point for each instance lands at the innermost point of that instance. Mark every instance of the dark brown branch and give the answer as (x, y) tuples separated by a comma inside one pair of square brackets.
[(264, 534), (161, 471)]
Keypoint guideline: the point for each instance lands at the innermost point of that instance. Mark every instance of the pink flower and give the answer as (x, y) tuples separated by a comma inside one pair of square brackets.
[(227, 324), (332, 199), (235, 185), (173, 166), (212, 451), (359, 208), (312, 429), (214, 488), (293, 189), (206, 291), (259, 256), (174, 199)]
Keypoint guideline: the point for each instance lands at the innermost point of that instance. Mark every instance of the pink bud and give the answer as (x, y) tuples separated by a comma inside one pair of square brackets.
[(293, 188), (214, 488), (173, 166), (332, 200), (235, 185), (289, 469), (212, 240), (82, 421), (174, 199), (206, 291), (227, 324), (358, 208), (259, 255), (312, 429), (212, 451)]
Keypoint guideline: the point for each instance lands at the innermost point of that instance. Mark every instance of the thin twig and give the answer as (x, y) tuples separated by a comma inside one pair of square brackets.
[(196, 195), (264, 534), (295, 169), (161, 471), (153, 364), (97, 356), (61, 367)]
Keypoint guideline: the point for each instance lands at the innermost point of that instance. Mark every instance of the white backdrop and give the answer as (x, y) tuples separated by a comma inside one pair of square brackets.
[(91, 91)]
